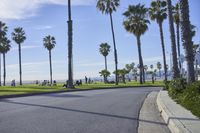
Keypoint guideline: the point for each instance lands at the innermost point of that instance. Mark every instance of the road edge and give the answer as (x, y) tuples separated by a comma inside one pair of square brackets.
[(69, 90), (171, 118)]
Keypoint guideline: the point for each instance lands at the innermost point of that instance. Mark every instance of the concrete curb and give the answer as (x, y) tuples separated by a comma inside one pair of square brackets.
[(70, 90), (149, 119), (178, 119)]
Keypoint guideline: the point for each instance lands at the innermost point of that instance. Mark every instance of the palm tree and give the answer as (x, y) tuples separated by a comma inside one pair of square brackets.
[(3, 30), (136, 23), (70, 47), (176, 17), (145, 69), (104, 50), (121, 73), (19, 37), (187, 39), (5, 47), (105, 74), (49, 43), (159, 66), (151, 66), (128, 68), (176, 73), (108, 7), (158, 13)]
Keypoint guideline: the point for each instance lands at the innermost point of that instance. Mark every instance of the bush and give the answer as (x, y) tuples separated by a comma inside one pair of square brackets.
[(191, 98), (186, 95), (176, 87), (166, 85)]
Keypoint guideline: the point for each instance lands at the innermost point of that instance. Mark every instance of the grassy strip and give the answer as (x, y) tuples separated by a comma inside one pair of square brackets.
[(31, 89), (121, 85), (186, 95)]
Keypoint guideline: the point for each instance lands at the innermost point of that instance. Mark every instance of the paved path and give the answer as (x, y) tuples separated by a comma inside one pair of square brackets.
[(97, 111)]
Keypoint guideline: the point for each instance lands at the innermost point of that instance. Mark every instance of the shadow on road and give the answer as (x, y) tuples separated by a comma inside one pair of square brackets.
[(84, 112), (63, 95)]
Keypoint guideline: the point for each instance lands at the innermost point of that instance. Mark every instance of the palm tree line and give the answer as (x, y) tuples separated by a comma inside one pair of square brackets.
[(108, 7), (19, 36), (136, 22)]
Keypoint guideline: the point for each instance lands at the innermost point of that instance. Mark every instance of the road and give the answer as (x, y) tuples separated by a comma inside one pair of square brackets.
[(97, 111)]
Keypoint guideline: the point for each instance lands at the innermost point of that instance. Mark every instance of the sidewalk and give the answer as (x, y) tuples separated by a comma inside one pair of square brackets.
[(150, 120), (178, 119)]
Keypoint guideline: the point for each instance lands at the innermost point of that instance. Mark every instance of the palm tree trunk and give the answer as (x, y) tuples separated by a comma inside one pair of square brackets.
[(0, 56), (70, 48), (115, 50), (0, 69), (163, 49), (50, 63), (105, 69), (187, 40), (105, 63), (178, 43), (20, 65), (140, 59), (160, 73), (176, 73), (4, 69), (143, 74)]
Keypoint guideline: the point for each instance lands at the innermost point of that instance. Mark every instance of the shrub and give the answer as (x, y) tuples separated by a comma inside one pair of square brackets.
[(166, 85), (186, 95), (176, 87), (191, 98)]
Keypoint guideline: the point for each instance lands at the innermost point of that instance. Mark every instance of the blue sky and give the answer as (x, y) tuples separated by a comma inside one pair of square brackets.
[(40, 18)]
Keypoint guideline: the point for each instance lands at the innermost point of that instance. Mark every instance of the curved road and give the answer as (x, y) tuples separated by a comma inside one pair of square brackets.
[(97, 111)]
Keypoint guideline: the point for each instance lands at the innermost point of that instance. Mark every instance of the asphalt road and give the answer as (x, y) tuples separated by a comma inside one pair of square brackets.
[(97, 111)]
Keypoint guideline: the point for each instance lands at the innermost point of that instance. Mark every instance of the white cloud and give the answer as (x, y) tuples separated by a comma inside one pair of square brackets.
[(45, 27), (26, 47), (21, 9)]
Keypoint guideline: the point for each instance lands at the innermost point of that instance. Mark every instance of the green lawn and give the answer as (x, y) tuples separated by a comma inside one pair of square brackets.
[(29, 89)]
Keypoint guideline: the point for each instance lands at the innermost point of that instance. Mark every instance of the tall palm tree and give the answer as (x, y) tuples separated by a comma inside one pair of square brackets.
[(176, 17), (70, 47), (108, 7), (187, 39), (158, 13), (19, 36), (176, 73), (136, 22), (159, 67), (49, 43), (3, 30), (5, 47), (104, 50)]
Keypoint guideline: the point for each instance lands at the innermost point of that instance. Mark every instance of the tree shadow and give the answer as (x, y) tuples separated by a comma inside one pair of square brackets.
[(86, 112), (182, 118), (63, 95)]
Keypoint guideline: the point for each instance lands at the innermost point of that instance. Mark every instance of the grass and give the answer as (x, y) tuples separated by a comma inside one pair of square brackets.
[(28, 89), (128, 84), (31, 88)]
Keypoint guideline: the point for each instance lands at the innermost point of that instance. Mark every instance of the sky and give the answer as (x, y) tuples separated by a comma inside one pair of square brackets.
[(40, 18)]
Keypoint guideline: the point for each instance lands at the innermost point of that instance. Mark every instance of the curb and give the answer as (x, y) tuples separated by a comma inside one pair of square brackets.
[(149, 118), (173, 122), (70, 90)]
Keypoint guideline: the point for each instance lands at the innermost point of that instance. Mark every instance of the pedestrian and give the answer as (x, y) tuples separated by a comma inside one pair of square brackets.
[(86, 80)]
